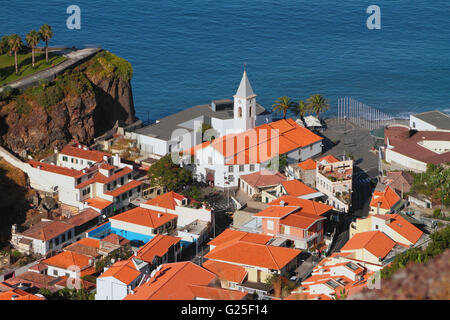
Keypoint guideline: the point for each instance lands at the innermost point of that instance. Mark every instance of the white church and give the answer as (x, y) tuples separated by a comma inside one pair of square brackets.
[(182, 130)]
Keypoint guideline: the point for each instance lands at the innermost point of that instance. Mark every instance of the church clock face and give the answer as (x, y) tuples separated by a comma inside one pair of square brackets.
[(239, 101)]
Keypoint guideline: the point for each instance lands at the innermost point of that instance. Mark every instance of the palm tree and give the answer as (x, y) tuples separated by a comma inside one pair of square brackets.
[(300, 109), (33, 39), (318, 104), (15, 44), (4, 45), (46, 34), (283, 104)]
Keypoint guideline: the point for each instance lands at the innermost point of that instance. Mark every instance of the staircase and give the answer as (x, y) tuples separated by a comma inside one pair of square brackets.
[(68, 211)]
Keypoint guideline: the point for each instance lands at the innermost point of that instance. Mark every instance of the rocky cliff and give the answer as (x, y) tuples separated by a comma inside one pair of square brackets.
[(80, 104)]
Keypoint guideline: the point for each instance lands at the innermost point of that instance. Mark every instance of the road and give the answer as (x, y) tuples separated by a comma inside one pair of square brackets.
[(73, 58)]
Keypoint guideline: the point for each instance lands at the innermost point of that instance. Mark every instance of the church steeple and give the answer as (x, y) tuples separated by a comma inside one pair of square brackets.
[(245, 90), (244, 106)]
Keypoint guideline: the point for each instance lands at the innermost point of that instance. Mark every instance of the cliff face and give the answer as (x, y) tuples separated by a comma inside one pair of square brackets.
[(81, 104)]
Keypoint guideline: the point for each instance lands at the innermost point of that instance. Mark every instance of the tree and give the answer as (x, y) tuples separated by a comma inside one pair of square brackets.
[(46, 34), (168, 175), (33, 39), (318, 104), (283, 105), (300, 109), (342, 295), (15, 44), (282, 287), (4, 45)]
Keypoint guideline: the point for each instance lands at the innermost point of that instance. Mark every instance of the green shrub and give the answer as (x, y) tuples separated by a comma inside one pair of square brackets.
[(22, 106)]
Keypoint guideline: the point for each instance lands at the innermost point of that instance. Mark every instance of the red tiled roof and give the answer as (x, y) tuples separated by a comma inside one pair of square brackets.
[(235, 235), (83, 217), (98, 203), (406, 142), (56, 169), (375, 242), (387, 198), (157, 246), (172, 282), (92, 155), (263, 178), (144, 217), (166, 200), (124, 271), (307, 206), (125, 188), (253, 254), (297, 188), (116, 239), (46, 230), (309, 164), (89, 286), (226, 271)]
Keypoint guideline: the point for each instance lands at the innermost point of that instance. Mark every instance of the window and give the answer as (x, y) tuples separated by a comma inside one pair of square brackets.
[(72, 160), (108, 187), (241, 168), (63, 237), (209, 160), (414, 124), (129, 176), (65, 159), (240, 112), (89, 163), (139, 189), (230, 178), (114, 183), (130, 193), (270, 224), (121, 180), (252, 167), (78, 180), (230, 169), (67, 275), (287, 230), (250, 112), (55, 272), (376, 227)]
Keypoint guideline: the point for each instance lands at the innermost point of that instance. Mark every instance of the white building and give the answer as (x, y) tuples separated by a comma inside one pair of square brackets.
[(182, 130), (430, 121), (120, 279)]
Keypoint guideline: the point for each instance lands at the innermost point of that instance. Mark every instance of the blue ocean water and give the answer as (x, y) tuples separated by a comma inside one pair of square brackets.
[(190, 52)]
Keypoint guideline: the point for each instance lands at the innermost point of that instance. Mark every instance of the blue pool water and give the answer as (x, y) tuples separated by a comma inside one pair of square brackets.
[(190, 52)]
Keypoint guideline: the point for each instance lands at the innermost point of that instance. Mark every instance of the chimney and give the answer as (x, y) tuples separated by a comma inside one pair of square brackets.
[(378, 207), (159, 214), (91, 262), (80, 146), (282, 203), (39, 167), (85, 148)]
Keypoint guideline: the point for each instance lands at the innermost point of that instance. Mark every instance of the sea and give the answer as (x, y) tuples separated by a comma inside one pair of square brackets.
[(189, 52)]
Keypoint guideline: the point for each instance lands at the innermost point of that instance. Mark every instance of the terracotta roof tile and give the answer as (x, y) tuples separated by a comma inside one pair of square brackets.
[(167, 200), (404, 228), (375, 242), (226, 271), (66, 259), (92, 155), (307, 206), (56, 169), (235, 235), (309, 164), (297, 188), (214, 293), (263, 178), (157, 246), (83, 217), (145, 217), (47, 230), (387, 198), (98, 203), (125, 188), (276, 211), (124, 271)]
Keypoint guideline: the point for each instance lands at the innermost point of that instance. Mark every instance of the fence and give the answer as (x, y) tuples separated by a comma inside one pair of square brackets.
[(362, 115)]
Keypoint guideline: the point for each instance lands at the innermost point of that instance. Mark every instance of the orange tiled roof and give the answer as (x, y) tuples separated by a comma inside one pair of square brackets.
[(100, 178), (307, 206), (309, 164), (297, 188), (238, 149), (81, 218), (124, 271), (301, 220), (387, 198), (144, 217), (214, 293), (375, 242), (253, 254), (263, 178), (56, 169), (98, 203), (89, 286), (89, 242), (235, 235), (116, 239), (276, 211), (404, 228), (18, 294), (226, 271), (158, 246), (172, 282), (92, 155), (166, 200), (67, 258), (125, 188), (329, 158)]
